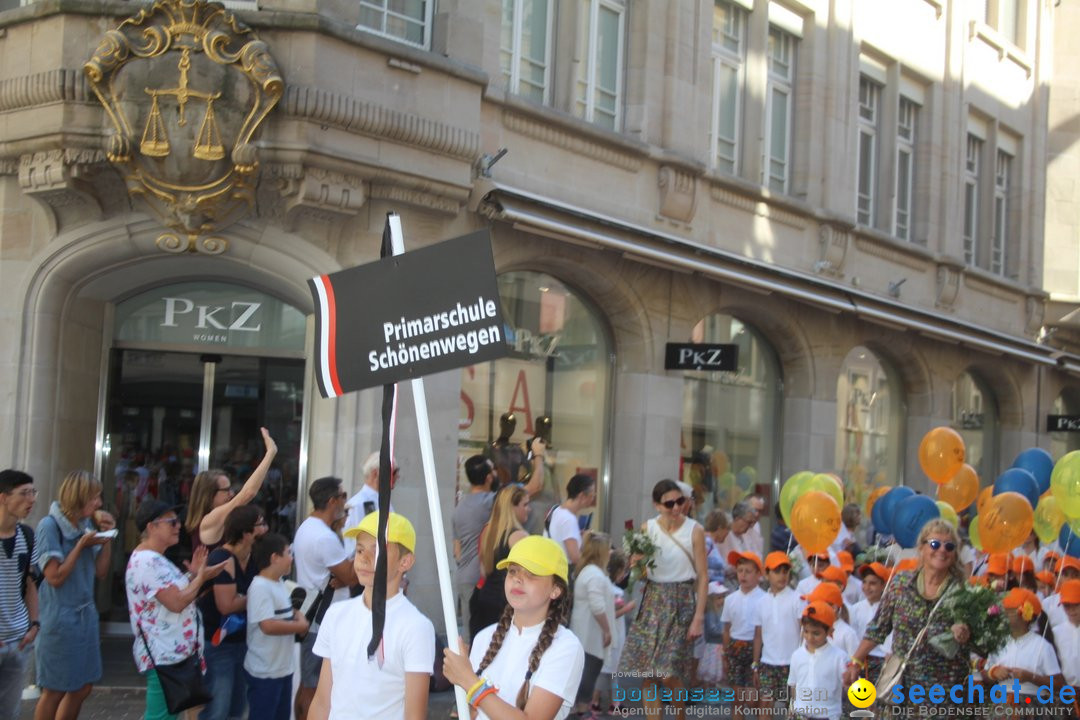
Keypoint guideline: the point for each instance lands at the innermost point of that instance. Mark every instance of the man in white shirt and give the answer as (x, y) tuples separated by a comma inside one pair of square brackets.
[(366, 500), (320, 555), (562, 524)]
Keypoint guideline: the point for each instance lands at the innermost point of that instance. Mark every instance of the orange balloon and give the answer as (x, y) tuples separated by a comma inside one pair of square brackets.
[(815, 521), (941, 453), (874, 495), (962, 489), (1006, 522), (984, 496)]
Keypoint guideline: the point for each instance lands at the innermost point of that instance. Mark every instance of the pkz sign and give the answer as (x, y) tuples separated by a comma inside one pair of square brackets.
[(701, 356), (1063, 423), (211, 322)]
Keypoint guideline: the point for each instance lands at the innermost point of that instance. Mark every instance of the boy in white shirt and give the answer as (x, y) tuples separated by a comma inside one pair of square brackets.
[(842, 635), (393, 685), (1026, 657), (779, 634), (741, 618), (817, 667), (271, 624), (874, 577), (1067, 633)]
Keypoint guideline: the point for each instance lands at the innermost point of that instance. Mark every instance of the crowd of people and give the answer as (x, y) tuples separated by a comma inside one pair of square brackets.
[(551, 624)]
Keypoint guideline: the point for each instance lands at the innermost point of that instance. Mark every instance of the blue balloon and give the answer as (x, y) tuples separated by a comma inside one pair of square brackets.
[(1021, 481), (882, 513), (909, 517), (1068, 541), (1039, 463)]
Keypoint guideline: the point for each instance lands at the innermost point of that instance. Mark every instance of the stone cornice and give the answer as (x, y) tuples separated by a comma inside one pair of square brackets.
[(43, 88), (551, 134), (355, 115)]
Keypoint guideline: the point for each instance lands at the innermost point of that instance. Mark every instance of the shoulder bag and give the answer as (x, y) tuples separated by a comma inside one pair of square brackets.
[(182, 682), (893, 668)]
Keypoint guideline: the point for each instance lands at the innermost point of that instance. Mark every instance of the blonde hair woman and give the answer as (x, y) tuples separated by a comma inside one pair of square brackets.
[(503, 531), (71, 554), (212, 498), (593, 616)]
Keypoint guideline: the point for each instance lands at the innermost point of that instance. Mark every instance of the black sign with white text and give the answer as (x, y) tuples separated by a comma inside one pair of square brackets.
[(1063, 423), (697, 356), (402, 317)]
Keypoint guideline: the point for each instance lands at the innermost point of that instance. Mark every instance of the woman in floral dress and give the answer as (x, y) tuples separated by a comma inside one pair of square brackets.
[(161, 599), (906, 606)]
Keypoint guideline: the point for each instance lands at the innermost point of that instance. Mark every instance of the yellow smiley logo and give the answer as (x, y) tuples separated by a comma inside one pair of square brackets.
[(862, 693)]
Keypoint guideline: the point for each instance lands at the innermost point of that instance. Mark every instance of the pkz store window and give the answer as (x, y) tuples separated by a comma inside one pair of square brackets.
[(730, 420), (975, 417), (555, 384)]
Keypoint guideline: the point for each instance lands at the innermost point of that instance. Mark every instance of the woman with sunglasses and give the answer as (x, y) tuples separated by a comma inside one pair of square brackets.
[(905, 610), (660, 643), (212, 498), (161, 600)]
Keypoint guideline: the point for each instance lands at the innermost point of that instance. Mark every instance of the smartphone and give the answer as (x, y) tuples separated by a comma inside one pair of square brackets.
[(108, 533)]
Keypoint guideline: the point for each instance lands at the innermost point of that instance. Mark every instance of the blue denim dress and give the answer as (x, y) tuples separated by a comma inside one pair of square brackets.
[(68, 645)]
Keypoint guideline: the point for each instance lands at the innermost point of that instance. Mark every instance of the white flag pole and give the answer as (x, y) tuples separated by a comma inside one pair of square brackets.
[(442, 562)]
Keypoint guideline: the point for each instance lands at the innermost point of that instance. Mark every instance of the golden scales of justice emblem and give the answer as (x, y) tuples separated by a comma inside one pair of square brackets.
[(155, 141), (192, 205)]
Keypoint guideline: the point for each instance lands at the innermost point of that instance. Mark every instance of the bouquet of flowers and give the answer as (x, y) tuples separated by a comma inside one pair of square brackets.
[(638, 546), (980, 609)]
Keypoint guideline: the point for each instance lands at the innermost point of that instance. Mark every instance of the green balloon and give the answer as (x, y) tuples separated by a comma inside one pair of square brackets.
[(1065, 484), (827, 484), (791, 491), (973, 533)]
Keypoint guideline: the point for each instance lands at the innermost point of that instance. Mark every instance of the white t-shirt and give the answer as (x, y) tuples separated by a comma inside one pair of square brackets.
[(1067, 639), (365, 689), (268, 656), (564, 526), (807, 585), (844, 637), (1054, 612), (559, 671), (861, 613), (358, 509), (1028, 652), (780, 629), (316, 549), (853, 591), (818, 680), (742, 611)]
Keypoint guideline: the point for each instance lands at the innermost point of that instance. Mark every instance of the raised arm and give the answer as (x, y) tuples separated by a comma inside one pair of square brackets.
[(701, 583), (213, 524)]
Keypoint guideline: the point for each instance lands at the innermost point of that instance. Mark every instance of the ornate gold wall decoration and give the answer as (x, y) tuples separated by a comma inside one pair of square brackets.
[(186, 85)]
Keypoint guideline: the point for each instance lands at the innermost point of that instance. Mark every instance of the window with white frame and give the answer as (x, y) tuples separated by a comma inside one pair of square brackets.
[(525, 48), (1007, 17), (869, 116), (971, 197), (906, 121), (729, 62), (406, 20), (1000, 238), (599, 83), (778, 109)]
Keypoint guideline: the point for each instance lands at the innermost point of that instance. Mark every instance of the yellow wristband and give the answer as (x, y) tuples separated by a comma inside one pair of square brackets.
[(474, 688)]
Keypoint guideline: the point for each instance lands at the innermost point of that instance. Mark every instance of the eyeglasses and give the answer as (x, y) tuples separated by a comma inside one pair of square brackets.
[(225, 489), (937, 545), (671, 504), (27, 493), (174, 521)]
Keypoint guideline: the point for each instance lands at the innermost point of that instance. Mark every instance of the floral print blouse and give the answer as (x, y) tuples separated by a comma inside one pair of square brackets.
[(903, 611), (171, 636)]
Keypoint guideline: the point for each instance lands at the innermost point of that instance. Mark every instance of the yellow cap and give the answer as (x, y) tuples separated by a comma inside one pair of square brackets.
[(398, 529), (539, 555)]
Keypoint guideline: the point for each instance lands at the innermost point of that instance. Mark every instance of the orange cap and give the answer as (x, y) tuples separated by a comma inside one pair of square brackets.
[(825, 592), (1051, 557), (734, 558), (1022, 564), (777, 559), (1021, 598), (820, 612), (876, 568), (847, 562), (906, 564), (1067, 562), (1070, 592), (834, 574), (1047, 578), (997, 564)]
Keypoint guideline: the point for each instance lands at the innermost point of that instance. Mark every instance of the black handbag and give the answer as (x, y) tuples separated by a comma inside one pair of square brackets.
[(182, 682)]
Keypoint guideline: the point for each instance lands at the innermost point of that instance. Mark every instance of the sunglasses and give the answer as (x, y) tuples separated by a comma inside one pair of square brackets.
[(169, 521), (224, 489), (937, 545), (671, 504)]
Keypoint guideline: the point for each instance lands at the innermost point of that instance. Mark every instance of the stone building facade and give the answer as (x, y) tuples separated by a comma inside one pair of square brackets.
[(851, 192)]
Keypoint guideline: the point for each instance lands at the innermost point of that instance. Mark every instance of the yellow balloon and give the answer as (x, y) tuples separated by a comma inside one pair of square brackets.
[(948, 514), (1005, 522), (973, 533), (1048, 519), (790, 493), (827, 483), (815, 521), (1065, 484)]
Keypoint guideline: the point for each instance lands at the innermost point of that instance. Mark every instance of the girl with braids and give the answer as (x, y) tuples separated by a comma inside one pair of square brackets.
[(212, 499), (528, 666), (503, 530)]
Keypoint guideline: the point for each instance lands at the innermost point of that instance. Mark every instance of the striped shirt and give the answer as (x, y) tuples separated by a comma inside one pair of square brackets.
[(14, 617)]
